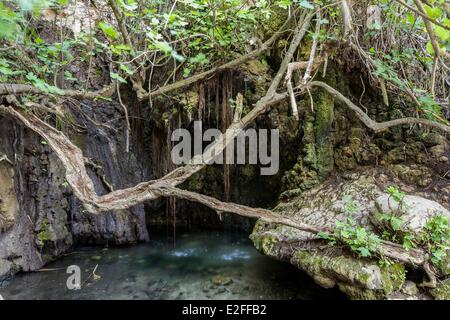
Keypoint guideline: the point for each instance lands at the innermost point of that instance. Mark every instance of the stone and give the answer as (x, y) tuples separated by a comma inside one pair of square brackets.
[(358, 278), (415, 211), (8, 200), (220, 280), (410, 288), (324, 282), (323, 206), (5, 267)]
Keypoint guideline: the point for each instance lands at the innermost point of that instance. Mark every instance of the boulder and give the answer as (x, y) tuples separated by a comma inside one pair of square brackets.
[(359, 195), (413, 210), (5, 270)]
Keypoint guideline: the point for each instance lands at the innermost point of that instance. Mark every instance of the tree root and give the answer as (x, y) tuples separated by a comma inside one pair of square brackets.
[(9, 88), (371, 124)]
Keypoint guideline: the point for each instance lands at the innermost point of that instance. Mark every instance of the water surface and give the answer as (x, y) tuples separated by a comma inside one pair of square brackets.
[(199, 265)]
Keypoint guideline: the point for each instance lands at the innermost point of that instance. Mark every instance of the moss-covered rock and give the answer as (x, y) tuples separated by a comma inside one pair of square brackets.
[(359, 279), (442, 290), (415, 174), (8, 200), (316, 161)]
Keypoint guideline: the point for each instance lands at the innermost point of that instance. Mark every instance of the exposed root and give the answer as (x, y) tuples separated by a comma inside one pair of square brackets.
[(373, 125)]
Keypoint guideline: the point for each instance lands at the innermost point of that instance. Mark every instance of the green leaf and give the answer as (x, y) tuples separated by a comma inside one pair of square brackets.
[(306, 4), (163, 46), (200, 59), (116, 76), (433, 13), (284, 3), (42, 85), (109, 30), (396, 223), (125, 68), (364, 252), (177, 56), (443, 34)]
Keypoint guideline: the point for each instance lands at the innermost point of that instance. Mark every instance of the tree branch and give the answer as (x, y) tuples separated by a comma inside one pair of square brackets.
[(229, 65), (387, 249), (371, 124), (73, 160), (423, 15), (13, 88), (348, 21)]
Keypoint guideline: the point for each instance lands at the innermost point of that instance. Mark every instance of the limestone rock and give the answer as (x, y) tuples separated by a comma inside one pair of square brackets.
[(8, 201), (414, 211), (329, 266)]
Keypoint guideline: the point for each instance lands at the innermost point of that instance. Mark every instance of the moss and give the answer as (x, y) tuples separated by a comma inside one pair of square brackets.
[(44, 233), (393, 277), (359, 279), (443, 265), (189, 100), (263, 241), (195, 183), (8, 200), (79, 140), (248, 170), (442, 291), (317, 142), (415, 174), (267, 244), (256, 67)]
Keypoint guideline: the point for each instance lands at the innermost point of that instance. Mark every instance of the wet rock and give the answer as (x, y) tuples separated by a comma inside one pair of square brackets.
[(355, 277), (48, 218), (221, 280), (221, 290), (324, 282), (401, 296)]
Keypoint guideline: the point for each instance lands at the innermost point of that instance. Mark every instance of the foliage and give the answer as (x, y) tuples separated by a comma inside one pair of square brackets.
[(351, 234), (188, 36), (437, 237)]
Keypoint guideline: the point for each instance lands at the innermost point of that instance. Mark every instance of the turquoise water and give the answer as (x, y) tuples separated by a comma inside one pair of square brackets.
[(198, 265)]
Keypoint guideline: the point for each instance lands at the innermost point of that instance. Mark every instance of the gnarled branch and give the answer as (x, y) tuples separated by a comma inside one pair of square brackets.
[(372, 124), (14, 88)]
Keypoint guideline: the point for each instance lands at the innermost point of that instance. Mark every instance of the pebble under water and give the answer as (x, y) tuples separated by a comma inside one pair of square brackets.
[(199, 265)]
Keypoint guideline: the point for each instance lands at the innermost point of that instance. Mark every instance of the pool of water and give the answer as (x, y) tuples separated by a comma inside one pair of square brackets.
[(198, 265)]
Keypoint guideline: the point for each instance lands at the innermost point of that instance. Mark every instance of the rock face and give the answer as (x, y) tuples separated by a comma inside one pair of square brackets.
[(39, 217), (329, 266), (8, 200)]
